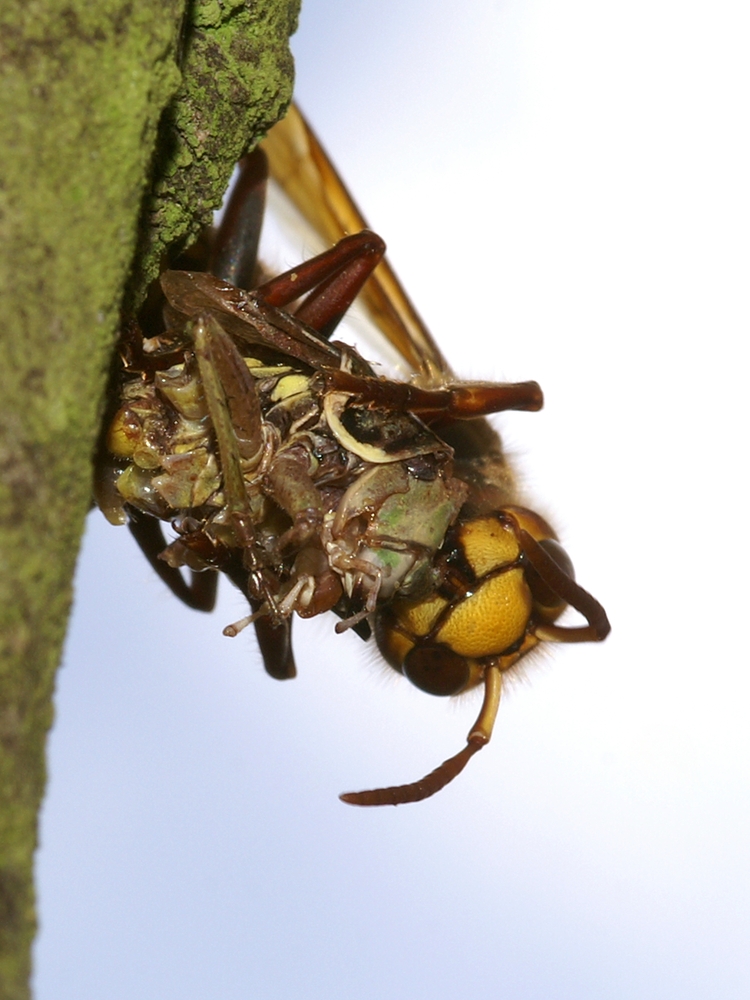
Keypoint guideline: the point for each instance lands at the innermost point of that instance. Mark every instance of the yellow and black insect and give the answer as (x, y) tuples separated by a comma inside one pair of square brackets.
[(282, 460)]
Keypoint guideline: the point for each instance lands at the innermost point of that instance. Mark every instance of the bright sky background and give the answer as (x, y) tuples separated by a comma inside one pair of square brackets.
[(564, 191)]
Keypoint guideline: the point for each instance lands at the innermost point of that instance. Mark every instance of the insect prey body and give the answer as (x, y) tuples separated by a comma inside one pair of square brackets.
[(336, 504), (284, 461)]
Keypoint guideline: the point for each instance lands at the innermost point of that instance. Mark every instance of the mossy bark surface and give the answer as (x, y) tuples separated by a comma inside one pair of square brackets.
[(119, 127)]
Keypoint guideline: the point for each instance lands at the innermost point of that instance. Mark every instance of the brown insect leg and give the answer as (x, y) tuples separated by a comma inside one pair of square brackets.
[(233, 405), (565, 587), (274, 641), (335, 276), (200, 593), (477, 399), (275, 644), (461, 401), (225, 375), (234, 409), (290, 484), (478, 737), (235, 247)]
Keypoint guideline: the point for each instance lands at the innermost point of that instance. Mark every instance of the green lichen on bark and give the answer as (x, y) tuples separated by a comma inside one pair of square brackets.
[(237, 73), (119, 125)]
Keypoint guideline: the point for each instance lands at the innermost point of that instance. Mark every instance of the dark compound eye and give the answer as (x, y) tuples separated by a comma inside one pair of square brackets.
[(437, 670)]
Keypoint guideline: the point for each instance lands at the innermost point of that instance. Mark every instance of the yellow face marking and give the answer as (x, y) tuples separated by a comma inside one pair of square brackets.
[(488, 544), (492, 619), (422, 615)]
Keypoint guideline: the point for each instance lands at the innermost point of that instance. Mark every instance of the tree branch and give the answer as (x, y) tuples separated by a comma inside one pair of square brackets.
[(119, 127)]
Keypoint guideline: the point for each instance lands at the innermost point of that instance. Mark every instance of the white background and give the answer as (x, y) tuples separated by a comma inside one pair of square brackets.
[(564, 190)]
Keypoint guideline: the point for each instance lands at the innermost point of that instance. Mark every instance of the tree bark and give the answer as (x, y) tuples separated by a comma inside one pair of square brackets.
[(119, 127)]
